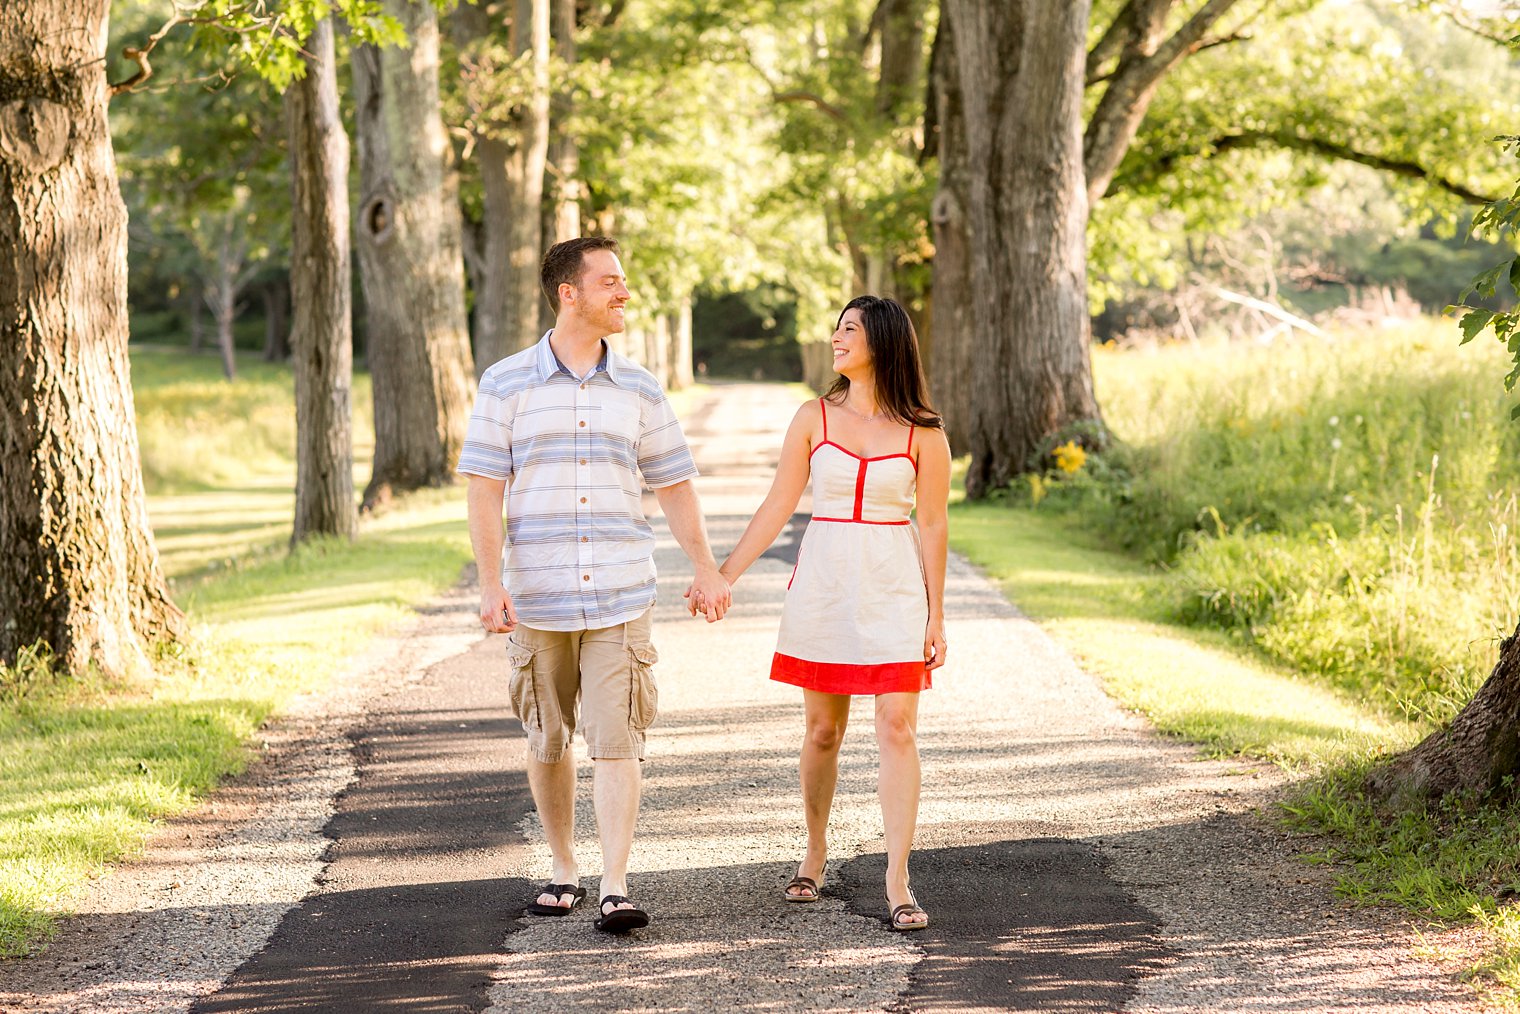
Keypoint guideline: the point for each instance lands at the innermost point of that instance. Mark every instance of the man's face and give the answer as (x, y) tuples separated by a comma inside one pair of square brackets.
[(602, 291)]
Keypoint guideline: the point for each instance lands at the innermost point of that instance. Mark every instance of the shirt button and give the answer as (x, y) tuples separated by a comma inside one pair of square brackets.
[(583, 461), (585, 539), (583, 422), (585, 577), (583, 499), (583, 387)]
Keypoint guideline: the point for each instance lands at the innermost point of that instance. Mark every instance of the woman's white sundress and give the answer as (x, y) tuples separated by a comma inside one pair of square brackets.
[(857, 606)]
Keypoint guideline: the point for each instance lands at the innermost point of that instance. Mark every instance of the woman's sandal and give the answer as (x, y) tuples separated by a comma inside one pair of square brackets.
[(894, 921), (620, 920), (576, 894), (808, 890)]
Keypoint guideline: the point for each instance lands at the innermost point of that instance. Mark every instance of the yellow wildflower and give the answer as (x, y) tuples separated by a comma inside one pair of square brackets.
[(1070, 457)]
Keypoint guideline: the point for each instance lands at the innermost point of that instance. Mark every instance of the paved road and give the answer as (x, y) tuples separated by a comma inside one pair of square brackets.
[(1071, 859)]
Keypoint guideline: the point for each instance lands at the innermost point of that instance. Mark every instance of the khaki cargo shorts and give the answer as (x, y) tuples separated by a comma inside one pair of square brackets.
[(604, 677)]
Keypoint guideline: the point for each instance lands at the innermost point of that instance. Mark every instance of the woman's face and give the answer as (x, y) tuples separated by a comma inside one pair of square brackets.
[(852, 354)]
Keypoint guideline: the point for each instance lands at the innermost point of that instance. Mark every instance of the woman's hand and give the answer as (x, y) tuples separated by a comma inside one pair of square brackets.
[(934, 643)]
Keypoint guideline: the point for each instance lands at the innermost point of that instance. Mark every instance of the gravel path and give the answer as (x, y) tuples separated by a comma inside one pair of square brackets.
[(1071, 859)]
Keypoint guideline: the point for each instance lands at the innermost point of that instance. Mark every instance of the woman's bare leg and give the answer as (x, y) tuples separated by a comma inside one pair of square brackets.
[(827, 715), (897, 786)]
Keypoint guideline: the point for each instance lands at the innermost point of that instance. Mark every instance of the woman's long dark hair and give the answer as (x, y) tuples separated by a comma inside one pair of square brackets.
[(901, 391)]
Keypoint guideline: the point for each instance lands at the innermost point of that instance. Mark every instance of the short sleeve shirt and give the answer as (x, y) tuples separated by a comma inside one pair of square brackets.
[(580, 554)]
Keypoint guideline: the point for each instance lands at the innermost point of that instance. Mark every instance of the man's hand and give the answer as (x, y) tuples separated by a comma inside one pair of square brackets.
[(496, 612), (709, 594)]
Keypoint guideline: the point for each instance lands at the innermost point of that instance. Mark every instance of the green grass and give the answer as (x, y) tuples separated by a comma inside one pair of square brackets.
[(86, 769), (1308, 554), (1105, 608)]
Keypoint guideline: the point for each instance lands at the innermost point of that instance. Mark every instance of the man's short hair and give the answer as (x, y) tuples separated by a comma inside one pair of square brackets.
[(565, 261)]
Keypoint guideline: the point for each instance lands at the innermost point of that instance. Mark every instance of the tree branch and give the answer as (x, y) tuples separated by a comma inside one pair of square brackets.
[(1250, 139), (816, 101), (1142, 64), (1109, 43)]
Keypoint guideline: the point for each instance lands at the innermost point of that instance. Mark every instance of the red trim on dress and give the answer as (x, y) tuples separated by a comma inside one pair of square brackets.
[(860, 521), (848, 678), (860, 489)]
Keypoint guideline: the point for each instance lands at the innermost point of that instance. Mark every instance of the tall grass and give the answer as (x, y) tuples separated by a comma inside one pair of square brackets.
[(1348, 505)]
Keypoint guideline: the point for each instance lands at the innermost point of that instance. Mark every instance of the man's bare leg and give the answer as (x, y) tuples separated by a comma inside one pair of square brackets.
[(553, 787), (616, 787)]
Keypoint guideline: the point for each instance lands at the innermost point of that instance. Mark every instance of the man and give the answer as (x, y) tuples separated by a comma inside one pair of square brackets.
[(565, 429)]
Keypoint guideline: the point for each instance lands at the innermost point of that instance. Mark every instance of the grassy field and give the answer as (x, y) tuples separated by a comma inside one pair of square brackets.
[(87, 768), (1308, 553)]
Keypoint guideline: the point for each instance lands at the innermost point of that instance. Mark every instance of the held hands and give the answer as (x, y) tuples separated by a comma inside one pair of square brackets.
[(934, 643), (709, 594), (497, 614)]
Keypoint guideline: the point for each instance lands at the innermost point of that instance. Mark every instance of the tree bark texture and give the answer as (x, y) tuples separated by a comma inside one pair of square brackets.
[(1019, 70), (1475, 753), (410, 262), (322, 339), (81, 572), (512, 163), (563, 188), (949, 360)]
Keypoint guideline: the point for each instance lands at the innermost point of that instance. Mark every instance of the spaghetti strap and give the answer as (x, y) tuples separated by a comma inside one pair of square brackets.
[(910, 439), (823, 406)]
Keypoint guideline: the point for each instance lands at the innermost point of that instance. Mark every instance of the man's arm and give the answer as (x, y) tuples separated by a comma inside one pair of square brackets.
[(683, 513), (484, 497)]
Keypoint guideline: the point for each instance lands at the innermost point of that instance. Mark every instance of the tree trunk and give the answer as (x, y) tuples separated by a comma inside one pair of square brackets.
[(512, 174), (322, 332), (81, 571), (197, 318), (949, 358), (1018, 72), (681, 371), (277, 320), (562, 185), (410, 262), (657, 348), (1475, 753), (222, 295)]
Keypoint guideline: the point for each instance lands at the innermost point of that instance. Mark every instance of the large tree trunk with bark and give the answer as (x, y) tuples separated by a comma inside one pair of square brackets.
[(410, 262), (1475, 753), (320, 283), (512, 159), (81, 573), (949, 360), (1023, 200), (682, 372), (562, 184)]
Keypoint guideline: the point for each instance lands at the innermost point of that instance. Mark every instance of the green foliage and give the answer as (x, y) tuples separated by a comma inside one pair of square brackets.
[(1500, 218), (1409, 90)]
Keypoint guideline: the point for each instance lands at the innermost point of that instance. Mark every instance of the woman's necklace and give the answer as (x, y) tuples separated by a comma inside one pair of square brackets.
[(859, 414)]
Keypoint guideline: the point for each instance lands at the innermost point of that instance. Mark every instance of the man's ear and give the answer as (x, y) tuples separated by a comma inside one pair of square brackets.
[(567, 293)]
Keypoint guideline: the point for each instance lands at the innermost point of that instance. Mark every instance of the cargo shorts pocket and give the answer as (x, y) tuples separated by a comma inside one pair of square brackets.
[(521, 690), (644, 695)]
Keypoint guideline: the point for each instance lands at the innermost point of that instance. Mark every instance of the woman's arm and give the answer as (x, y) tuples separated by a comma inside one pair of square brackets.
[(934, 530), (780, 503)]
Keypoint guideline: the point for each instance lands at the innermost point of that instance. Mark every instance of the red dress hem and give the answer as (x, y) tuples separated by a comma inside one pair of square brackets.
[(848, 678)]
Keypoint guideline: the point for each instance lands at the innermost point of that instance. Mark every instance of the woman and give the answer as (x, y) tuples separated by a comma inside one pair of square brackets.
[(864, 611)]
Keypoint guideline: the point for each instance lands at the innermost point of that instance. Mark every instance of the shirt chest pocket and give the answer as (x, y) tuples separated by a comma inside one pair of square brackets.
[(620, 423)]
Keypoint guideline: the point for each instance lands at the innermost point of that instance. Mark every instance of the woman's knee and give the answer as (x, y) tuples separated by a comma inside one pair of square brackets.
[(894, 731), (825, 735)]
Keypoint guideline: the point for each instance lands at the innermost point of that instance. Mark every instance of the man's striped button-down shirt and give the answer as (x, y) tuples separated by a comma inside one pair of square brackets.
[(580, 554)]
